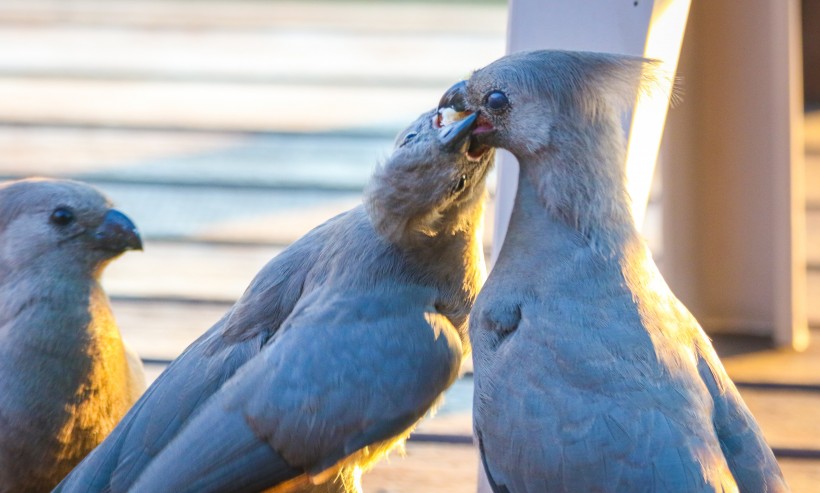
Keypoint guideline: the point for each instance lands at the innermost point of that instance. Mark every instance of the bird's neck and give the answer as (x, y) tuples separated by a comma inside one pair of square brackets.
[(580, 181), (455, 259), (534, 230), (57, 315)]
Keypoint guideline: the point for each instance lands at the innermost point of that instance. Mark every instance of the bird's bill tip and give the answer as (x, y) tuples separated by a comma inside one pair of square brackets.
[(117, 233)]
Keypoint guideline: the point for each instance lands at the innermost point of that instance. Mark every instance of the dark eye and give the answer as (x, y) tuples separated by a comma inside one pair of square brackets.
[(408, 138), (497, 100), (459, 185), (62, 216)]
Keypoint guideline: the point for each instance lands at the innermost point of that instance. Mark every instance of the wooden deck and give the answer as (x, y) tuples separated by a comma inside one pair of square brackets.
[(228, 129)]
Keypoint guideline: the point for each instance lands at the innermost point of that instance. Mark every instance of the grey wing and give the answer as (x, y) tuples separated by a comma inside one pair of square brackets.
[(193, 378), (750, 458), (319, 393), (155, 418)]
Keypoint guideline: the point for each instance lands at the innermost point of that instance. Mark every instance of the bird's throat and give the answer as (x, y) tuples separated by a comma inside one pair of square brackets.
[(588, 207)]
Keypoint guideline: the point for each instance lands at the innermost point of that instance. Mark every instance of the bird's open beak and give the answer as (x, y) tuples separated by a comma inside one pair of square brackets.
[(455, 136), (117, 233), (457, 122)]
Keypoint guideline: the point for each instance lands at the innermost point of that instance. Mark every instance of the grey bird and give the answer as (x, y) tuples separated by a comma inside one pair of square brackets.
[(66, 377), (590, 375), (336, 350)]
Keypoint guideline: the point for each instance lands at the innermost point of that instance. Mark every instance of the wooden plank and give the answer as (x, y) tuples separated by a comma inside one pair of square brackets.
[(803, 476), (788, 419), (199, 271), (272, 216), (220, 159), (447, 468), (331, 57), (75, 151), (458, 17), (773, 365), (425, 467), (214, 106), (162, 330)]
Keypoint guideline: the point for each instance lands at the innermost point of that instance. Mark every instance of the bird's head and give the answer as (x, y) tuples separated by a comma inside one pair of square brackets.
[(561, 114), (521, 99), (61, 225), (431, 183)]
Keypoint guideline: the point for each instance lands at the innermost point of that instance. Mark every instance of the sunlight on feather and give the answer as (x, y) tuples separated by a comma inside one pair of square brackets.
[(649, 117)]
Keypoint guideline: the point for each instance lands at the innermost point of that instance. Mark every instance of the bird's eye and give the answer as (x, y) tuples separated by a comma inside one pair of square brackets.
[(497, 100), (459, 185), (62, 216), (408, 138)]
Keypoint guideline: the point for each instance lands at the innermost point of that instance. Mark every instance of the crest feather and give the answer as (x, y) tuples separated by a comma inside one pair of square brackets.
[(586, 83)]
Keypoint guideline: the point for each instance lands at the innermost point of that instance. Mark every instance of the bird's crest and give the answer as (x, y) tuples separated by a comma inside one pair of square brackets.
[(585, 83)]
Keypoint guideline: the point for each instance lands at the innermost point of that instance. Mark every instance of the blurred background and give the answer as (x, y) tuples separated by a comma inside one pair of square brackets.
[(227, 129)]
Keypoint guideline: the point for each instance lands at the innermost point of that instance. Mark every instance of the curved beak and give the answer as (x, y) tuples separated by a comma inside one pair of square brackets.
[(455, 97), (455, 136), (117, 233)]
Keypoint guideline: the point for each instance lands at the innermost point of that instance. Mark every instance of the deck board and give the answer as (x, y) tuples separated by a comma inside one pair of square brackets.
[(217, 159), (196, 271), (782, 416), (214, 105), (446, 469), (474, 17), (162, 330), (259, 56)]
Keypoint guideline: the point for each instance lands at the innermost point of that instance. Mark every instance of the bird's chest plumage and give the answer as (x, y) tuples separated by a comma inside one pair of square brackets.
[(571, 376), (64, 387)]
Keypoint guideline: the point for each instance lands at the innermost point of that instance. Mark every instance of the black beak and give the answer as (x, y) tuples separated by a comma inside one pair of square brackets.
[(117, 233), (455, 97), (455, 136)]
